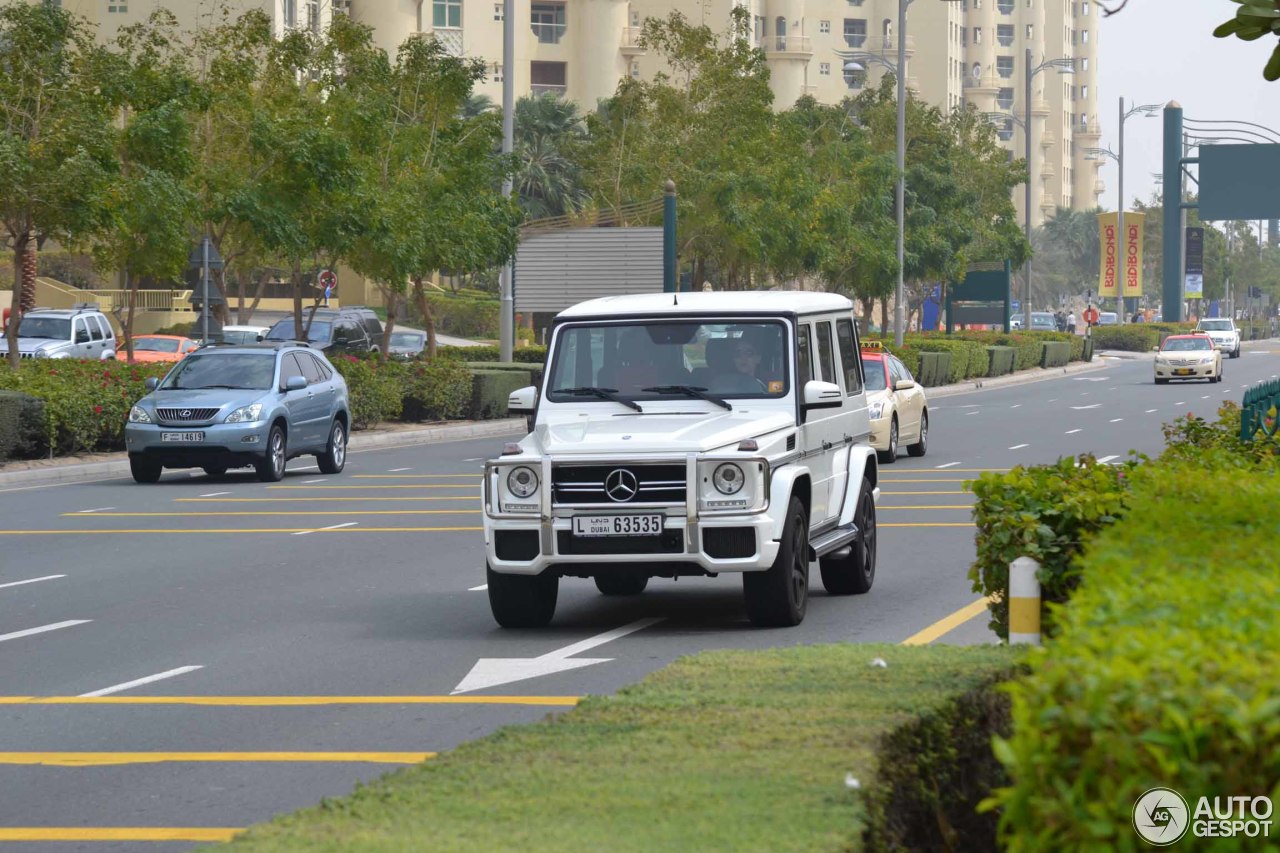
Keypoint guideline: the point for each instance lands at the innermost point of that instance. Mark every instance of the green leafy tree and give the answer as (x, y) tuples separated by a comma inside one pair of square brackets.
[(1253, 20), (1072, 255), (57, 157), (549, 134)]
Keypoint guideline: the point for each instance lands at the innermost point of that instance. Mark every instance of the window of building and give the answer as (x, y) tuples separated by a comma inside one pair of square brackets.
[(1084, 93), (1005, 97), (886, 30), (548, 78), (1031, 31), (824, 26), (1084, 36), (289, 8), (855, 79), (964, 36), (313, 16), (1005, 131), (444, 13), (1084, 8), (119, 7), (1085, 64), (1084, 121), (635, 18), (497, 73), (497, 11), (855, 32), (1005, 6), (547, 20), (1004, 34), (977, 35), (1004, 66), (635, 69), (824, 68), (855, 2)]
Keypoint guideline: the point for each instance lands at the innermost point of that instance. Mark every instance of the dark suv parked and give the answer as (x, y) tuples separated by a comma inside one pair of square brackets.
[(352, 328)]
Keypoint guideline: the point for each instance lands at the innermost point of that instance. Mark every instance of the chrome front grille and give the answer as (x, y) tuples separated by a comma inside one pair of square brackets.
[(188, 415), (617, 485)]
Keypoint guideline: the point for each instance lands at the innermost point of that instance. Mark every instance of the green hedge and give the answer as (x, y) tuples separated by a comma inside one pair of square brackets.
[(375, 389), (524, 355), (935, 369), (436, 390), (534, 371), (490, 390), (1158, 674), (1135, 337), (21, 424), (1055, 354), (968, 358), (1000, 360), (465, 317)]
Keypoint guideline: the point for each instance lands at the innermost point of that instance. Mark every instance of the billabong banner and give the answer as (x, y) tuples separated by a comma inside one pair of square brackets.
[(1109, 274), (1133, 223)]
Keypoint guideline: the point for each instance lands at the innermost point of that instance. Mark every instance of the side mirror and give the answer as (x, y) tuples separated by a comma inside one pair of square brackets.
[(152, 383), (522, 401), (822, 395), (260, 338), (904, 385), (295, 383)]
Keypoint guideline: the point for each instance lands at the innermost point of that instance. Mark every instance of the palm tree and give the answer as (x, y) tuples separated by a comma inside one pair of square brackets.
[(477, 105), (549, 132)]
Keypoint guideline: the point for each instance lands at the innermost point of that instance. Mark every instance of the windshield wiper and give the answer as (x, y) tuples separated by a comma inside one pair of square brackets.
[(602, 393), (690, 391)]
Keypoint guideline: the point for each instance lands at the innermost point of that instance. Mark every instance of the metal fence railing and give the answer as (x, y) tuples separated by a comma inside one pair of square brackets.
[(1259, 413)]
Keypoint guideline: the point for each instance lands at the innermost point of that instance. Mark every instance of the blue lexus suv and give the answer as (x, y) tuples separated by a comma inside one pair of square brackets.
[(237, 406)]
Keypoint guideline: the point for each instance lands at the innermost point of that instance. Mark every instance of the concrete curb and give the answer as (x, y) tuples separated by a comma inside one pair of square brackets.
[(70, 471)]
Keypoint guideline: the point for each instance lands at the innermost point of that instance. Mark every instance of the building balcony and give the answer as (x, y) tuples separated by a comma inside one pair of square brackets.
[(887, 44), (1040, 108), (799, 46), (450, 39), (548, 33), (1092, 129), (1048, 140), (631, 41), (538, 89), (1099, 187)]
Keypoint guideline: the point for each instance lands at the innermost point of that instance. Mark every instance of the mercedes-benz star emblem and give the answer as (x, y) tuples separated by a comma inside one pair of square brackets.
[(185, 413), (621, 485)]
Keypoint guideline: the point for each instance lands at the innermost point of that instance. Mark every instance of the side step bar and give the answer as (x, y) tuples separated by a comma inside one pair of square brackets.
[(834, 540)]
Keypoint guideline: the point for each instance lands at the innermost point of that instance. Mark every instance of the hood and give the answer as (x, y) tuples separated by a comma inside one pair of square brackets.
[(33, 344), (206, 399), (657, 433), (150, 356)]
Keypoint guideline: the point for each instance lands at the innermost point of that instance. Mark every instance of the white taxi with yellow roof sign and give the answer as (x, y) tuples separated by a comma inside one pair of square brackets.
[(896, 404)]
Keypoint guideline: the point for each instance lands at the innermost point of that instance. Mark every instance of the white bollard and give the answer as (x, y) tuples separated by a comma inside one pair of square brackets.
[(1024, 602)]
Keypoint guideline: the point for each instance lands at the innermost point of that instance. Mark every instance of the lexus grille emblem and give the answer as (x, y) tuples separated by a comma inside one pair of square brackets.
[(621, 485), (185, 413)]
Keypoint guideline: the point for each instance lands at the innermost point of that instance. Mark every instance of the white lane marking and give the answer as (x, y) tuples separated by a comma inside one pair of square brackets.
[(317, 480), (972, 413), (308, 468), (1104, 460), (97, 509), (1181, 403), (1116, 420), (1112, 388), (480, 588), (138, 682), (474, 459), (215, 494), (1019, 446), (1084, 393), (949, 465), (971, 406), (1054, 400), (1016, 406), (398, 470), (330, 527), (1093, 406), (1072, 431), (1205, 397), (55, 626), (31, 580), (1149, 411), (491, 672)]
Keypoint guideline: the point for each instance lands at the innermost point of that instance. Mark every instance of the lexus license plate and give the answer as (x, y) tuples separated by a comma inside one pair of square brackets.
[(182, 436), (617, 525)]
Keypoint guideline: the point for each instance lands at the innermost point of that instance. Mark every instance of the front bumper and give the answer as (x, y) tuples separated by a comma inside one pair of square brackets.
[(879, 438), (1195, 371), (232, 445)]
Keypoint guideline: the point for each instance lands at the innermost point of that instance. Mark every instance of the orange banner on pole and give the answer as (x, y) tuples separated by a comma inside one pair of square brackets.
[(1133, 232), (1109, 274)]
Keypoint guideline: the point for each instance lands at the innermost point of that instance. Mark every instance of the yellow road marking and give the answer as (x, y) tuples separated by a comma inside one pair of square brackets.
[(312, 500), (412, 476), (878, 506), (287, 701), (109, 759), (926, 523), (118, 833), (475, 486), (946, 624), (272, 512), (196, 530)]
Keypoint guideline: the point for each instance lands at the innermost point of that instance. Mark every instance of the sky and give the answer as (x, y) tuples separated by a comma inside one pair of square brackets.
[(1155, 51)]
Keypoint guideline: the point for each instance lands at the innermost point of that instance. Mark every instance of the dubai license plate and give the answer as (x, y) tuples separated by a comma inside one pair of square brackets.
[(617, 525), (182, 436), (1183, 371)]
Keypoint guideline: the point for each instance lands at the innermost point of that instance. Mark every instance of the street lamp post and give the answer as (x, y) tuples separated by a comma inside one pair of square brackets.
[(507, 318)]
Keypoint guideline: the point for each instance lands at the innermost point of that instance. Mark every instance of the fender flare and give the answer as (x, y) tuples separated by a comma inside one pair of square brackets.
[(862, 462), (781, 484)]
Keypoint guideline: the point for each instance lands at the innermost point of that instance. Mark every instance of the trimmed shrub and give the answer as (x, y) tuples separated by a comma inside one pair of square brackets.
[(375, 389), (1135, 337), (968, 358), (436, 390), (21, 424), (534, 371), (1046, 512), (935, 368), (1000, 360), (524, 355), (1055, 354), (1158, 674), (490, 390), (465, 317)]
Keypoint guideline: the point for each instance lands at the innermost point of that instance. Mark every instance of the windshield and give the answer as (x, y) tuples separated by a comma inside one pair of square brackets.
[(1045, 320), (1216, 325), (1107, 318), (284, 331), (45, 327), (1186, 344), (155, 344), (223, 370), (248, 336), (728, 359), (408, 339), (873, 369)]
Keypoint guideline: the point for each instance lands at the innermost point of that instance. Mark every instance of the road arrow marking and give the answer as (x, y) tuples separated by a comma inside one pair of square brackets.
[(491, 672)]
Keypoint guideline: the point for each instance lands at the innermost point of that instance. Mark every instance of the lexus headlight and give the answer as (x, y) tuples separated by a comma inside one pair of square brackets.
[(728, 479), (246, 414), (138, 415), (522, 482), (875, 409)]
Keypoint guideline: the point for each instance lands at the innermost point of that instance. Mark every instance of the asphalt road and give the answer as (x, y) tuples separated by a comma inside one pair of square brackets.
[(290, 660)]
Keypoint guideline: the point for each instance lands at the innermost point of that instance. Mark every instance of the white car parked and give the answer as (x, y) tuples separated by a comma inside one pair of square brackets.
[(706, 434), (1223, 331)]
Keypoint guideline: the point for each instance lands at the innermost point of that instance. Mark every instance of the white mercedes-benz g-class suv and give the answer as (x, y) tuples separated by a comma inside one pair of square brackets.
[(688, 434)]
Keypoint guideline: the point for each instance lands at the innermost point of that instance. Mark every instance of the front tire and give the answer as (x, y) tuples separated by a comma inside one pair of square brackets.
[(145, 470), (855, 572), (921, 447), (888, 457), (334, 458), (621, 583), (522, 601), (778, 597), (271, 467)]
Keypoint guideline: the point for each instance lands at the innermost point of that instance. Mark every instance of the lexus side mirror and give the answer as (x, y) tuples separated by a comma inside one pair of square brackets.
[(152, 383), (522, 401), (904, 385), (295, 383), (822, 395)]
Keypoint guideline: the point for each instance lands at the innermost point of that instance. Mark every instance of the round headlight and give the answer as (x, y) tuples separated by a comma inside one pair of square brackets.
[(522, 482), (727, 479)]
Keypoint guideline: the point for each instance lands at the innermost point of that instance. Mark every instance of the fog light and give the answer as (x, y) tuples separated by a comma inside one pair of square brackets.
[(249, 439)]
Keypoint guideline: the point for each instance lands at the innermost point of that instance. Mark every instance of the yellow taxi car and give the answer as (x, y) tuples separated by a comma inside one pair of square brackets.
[(896, 404), (1192, 356)]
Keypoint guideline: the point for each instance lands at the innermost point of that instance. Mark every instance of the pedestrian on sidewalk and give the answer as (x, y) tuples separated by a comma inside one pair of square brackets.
[(328, 291), (1071, 323)]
